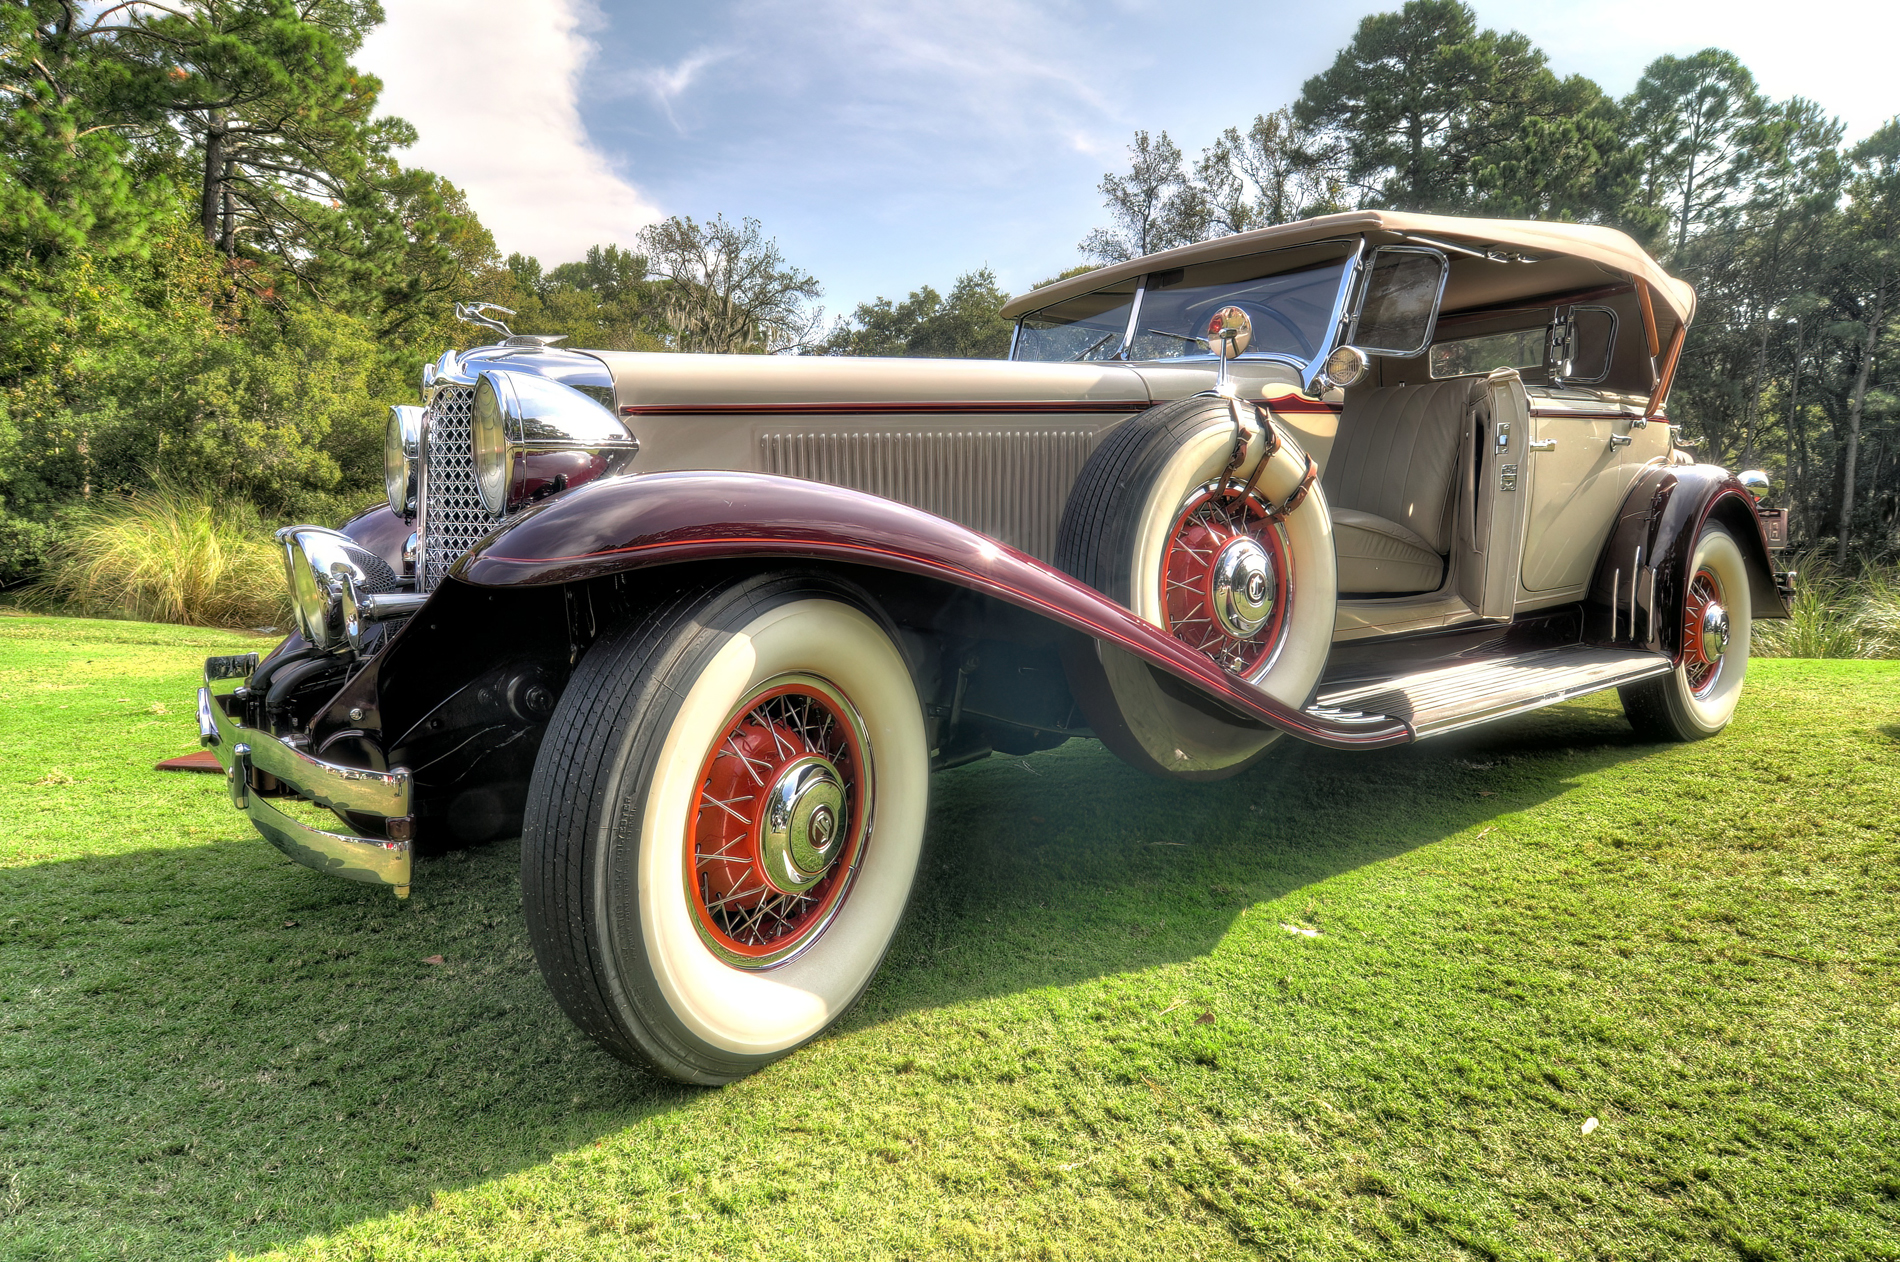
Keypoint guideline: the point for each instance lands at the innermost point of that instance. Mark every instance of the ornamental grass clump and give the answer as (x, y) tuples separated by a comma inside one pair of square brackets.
[(1835, 614), (168, 555)]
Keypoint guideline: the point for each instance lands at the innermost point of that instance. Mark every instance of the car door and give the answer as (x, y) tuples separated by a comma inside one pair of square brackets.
[(1494, 499), (1578, 476)]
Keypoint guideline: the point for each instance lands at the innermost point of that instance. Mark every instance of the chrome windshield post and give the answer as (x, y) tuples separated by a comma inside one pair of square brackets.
[(1349, 283), (1134, 317)]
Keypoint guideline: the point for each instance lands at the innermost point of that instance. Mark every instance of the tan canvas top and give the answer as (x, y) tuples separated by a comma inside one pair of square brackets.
[(1564, 256)]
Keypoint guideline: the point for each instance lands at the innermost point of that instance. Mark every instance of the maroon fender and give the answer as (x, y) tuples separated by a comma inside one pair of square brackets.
[(1643, 574), (668, 518)]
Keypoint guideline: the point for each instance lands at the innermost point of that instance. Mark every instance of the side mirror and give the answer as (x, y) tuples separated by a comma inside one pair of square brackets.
[(1229, 332)]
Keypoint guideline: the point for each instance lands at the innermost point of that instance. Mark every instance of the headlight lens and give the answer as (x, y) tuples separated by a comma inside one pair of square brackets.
[(490, 437), (401, 447), (1346, 365)]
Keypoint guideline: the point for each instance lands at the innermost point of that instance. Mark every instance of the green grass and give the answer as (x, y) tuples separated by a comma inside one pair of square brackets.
[(1095, 1036)]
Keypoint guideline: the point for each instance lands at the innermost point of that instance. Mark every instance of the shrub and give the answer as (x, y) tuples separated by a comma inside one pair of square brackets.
[(168, 556), (1835, 615)]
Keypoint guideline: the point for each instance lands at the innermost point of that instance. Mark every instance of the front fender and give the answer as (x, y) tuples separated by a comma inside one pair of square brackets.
[(1643, 573), (673, 518)]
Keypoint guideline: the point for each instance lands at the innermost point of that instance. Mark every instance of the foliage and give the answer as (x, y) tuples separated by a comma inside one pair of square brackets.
[(167, 556), (215, 273), (966, 325), (728, 288), (206, 1049), (1835, 614), (1152, 208)]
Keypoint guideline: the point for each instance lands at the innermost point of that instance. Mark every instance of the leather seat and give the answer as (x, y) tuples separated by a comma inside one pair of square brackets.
[(1389, 480)]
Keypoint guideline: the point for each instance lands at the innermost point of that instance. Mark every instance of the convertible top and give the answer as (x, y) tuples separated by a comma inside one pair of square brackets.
[(1544, 257)]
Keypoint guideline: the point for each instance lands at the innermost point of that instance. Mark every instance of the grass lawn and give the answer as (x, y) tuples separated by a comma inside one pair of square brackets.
[(1344, 1005)]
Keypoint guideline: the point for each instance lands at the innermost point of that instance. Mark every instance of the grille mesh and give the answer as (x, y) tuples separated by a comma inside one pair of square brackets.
[(453, 519), (1008, 484)]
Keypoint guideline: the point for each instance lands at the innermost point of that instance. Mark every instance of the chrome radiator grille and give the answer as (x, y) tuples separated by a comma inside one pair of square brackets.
[(453, 519), (1009, 484)]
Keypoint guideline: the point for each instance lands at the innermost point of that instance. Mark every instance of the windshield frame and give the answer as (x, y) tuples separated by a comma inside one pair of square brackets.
[(1341, 314)]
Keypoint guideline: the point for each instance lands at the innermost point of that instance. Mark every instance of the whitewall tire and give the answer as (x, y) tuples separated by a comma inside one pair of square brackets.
[(725, 823), (1698, 698)]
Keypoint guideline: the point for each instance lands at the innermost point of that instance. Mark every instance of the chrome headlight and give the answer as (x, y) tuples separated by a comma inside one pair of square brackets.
[(319, 564), (402, 445), (489, 422), (533, 436)]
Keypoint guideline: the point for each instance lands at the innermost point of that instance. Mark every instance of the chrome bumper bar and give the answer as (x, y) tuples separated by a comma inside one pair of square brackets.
[(243, 751)]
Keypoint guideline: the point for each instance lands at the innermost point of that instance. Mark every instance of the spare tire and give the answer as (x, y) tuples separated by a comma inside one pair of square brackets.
[(1206, 519)]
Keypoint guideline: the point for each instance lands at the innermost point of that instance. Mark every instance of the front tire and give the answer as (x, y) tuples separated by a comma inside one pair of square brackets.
[(724, 825), (1698, 698)]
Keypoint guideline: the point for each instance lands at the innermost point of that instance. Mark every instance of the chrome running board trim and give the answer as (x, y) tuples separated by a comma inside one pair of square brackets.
[(1448, 698)]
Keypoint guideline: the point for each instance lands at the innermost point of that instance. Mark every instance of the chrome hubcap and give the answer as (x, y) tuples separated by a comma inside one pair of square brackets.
[(1714, 633), (802, 809), (1242, 587)]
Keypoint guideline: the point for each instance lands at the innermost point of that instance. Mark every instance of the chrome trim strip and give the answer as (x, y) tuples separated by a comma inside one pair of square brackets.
[(969, 407)]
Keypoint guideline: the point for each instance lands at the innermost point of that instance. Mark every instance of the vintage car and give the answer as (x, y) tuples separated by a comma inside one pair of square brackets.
[(698, 628)]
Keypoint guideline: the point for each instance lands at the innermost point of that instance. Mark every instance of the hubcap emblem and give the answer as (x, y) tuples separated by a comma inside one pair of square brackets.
[(1241, 588), (1714, 633), (801, 823)]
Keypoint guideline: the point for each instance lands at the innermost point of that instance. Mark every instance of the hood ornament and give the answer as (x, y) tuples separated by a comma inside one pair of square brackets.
[(471, 313)]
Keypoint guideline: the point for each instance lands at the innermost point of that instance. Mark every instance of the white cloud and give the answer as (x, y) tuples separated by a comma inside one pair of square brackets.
[(492, 86)]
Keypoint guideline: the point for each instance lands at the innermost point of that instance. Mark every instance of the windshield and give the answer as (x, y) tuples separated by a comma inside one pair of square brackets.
[(1292, 309)]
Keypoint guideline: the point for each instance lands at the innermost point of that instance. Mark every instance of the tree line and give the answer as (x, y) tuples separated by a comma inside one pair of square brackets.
[(216, 270), (1791, 238)]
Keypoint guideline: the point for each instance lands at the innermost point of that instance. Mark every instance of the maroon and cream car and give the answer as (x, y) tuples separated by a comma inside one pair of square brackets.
[(699, 628)]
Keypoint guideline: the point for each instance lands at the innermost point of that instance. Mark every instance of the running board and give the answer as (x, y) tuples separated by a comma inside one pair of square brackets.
[(1446, 698)]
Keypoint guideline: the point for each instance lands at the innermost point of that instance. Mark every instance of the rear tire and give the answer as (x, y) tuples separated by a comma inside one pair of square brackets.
[(668, 923), (1698, 698)]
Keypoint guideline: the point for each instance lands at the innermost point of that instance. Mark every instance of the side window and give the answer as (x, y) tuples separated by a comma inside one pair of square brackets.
[(1593, 341), (1400, 306), (1516, 348)]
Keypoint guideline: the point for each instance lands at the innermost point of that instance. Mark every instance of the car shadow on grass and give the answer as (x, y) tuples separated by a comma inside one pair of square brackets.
[(210, 1048)]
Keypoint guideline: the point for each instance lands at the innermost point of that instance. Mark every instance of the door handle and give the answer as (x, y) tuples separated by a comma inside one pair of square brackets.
[(1542, 444), (1620, 440)]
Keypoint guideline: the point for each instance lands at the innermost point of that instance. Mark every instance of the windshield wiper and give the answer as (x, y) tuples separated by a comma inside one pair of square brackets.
[(1095, 346), (1192, 341)]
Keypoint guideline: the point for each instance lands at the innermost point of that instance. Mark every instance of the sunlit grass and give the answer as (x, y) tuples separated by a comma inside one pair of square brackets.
[(1097, 1035)]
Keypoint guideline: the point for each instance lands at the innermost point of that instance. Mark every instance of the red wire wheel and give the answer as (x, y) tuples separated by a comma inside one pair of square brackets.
[(1700, 666), (1226, 578), (778, 829)]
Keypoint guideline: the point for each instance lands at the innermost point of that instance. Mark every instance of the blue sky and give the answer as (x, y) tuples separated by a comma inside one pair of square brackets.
[(897, 144)]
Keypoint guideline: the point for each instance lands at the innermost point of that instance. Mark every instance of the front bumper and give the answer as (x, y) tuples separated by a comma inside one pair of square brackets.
[(248, 755)]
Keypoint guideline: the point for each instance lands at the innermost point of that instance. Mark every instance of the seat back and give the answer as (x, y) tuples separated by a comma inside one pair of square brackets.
[(1397, 453)]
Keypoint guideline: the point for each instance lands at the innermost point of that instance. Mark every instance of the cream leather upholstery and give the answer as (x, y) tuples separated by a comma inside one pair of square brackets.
[(1389, 483)]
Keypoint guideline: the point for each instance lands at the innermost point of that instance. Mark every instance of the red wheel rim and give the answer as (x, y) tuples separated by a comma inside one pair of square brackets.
[(1217, 518), (1701, 669), (794, 749)]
